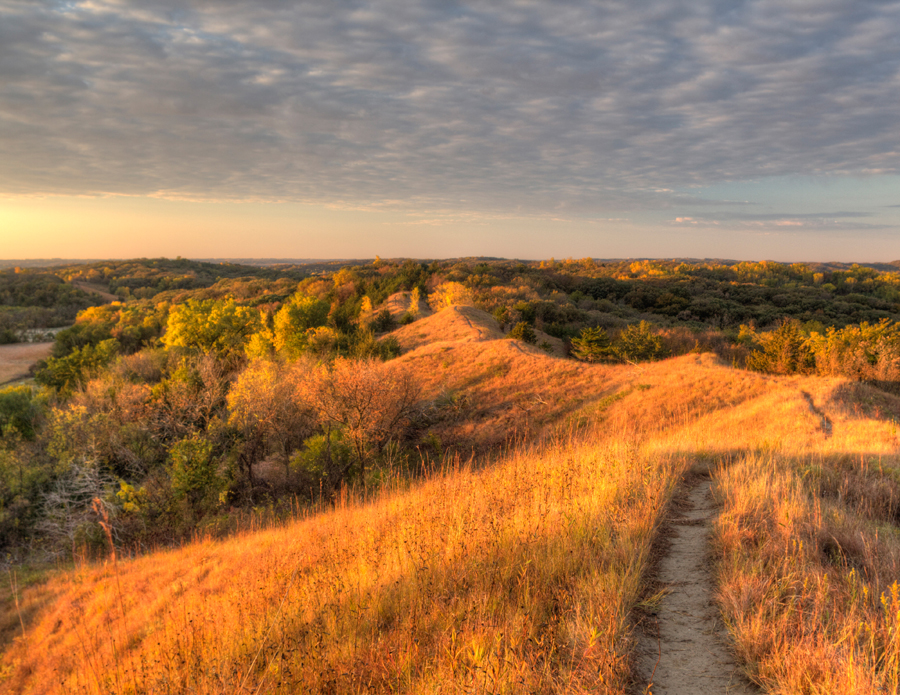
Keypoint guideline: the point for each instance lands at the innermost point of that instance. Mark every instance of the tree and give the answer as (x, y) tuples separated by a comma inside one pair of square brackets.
[(65, 374), (219, 327), (373, 402), (524, 332), (269, 405), (20, 410), (593, 345), (193, 470), (638, 343), (784, 351), (449, 293), (293, 322)]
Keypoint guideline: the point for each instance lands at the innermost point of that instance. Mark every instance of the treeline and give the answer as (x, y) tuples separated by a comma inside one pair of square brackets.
[(867, 352), (36, 299), (146, 278)]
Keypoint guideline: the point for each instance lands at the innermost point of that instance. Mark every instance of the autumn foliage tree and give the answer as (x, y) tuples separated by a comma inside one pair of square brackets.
[(213, 326), (269, 404), (371, 401)]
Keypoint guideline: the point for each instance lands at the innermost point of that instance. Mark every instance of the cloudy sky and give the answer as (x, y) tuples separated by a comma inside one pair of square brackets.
[(432, 128)]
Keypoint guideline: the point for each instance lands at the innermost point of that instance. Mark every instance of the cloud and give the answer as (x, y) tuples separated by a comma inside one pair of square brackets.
[(843, 222), (500, 106)]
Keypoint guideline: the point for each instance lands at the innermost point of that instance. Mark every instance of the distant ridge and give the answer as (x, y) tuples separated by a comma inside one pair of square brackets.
[(269, 262)]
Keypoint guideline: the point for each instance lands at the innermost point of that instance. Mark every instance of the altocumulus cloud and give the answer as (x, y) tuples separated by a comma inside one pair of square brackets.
[(816, 222), (495, 105)]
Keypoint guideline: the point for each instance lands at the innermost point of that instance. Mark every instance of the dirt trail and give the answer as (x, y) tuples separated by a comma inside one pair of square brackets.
[(691, 645)]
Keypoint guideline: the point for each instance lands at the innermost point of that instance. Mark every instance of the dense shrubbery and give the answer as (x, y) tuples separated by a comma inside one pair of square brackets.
[(867, 352)]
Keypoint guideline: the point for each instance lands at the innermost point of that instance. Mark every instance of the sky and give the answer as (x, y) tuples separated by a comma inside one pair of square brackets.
[(744, 129)]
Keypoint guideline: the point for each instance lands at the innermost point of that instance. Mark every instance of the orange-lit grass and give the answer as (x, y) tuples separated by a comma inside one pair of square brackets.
[(808, 571), (518, 578)]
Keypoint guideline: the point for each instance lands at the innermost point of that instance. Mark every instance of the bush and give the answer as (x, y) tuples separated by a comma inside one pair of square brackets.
[(323, 460), (638, 343), (784, 351), (383, 322), (524, 332), (592, 346), (194, 473)]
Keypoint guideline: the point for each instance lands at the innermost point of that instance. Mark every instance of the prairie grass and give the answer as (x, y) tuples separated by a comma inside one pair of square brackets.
[(516, 578), (809, 552), (521, 575)]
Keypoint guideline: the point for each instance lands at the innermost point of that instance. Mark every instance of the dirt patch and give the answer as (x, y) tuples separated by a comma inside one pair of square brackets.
[(99, 290), (17, 358), (684, 646)]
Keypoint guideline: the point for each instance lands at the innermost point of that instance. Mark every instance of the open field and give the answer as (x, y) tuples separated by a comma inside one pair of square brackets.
[(99, 290), (15, 359), (532, 568)]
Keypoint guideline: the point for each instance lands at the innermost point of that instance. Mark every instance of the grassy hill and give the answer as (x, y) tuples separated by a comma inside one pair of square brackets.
[(526, 566)]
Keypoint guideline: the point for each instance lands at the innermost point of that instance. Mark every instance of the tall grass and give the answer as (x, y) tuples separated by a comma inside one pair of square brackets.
[(808, 572), (517, 578)]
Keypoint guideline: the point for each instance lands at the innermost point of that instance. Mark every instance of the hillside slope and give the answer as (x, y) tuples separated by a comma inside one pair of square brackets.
[(519, 572)]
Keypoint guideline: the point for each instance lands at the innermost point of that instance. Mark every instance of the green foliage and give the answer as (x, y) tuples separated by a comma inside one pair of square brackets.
[(219, 327), (32, 299), (294, 321), (638, 343), (383, 322), (65, 374), (593, 345), (323, 459), (193, 471), (24, 477), (784, 351), (20, 409), (524, 332)]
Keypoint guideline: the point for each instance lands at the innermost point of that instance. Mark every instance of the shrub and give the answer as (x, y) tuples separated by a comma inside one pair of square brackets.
[(383, 322), (784, 351), (638, 343), (524, 332), (194, 473), (592, 346)]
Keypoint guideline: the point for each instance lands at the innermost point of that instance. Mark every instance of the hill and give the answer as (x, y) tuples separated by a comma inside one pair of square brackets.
[(529, 567)]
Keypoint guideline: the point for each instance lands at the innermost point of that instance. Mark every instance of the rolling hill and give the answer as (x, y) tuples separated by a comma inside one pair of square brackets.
[(528, 559)]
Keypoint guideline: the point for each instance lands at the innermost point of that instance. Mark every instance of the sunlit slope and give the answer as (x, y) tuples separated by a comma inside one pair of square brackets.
[(514, 576), (522, 574)]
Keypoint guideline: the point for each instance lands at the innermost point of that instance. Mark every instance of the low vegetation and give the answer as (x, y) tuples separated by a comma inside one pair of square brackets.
[(278, 480)]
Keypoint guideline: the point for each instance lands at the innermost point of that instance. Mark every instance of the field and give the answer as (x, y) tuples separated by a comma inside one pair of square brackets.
[(15, 359), (538, 568)]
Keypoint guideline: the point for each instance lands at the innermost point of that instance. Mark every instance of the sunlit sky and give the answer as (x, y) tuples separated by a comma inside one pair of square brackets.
[(271, 128)]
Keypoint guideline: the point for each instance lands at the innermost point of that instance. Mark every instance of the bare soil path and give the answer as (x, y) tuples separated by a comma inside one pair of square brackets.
[(96, 289), (689, 655)]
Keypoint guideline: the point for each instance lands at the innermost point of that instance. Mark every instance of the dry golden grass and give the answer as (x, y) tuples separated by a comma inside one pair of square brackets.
[(808, 546), (517, 578), (17, 358), (520, 576), (457, 323)]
